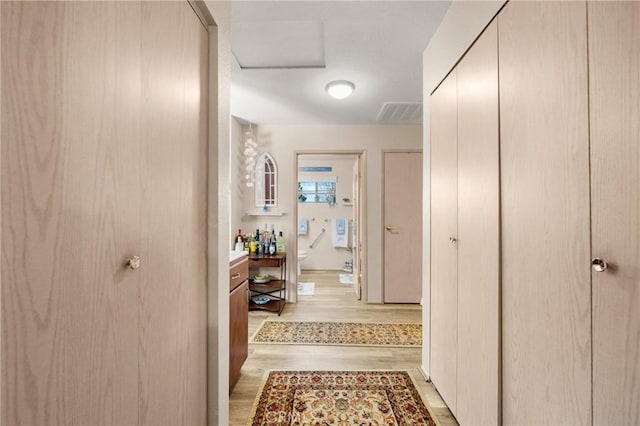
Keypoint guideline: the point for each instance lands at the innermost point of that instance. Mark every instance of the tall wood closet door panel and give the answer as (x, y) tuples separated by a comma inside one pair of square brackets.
[(478, 232), (172, 294), (544, 144), (444, 185), (70, 212), (614, 80)]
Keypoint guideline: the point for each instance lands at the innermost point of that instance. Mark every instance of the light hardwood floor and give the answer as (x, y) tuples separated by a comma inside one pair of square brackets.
[(332, 301)]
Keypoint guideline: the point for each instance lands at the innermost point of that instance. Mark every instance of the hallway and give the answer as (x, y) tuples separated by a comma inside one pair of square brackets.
[(332, 301)]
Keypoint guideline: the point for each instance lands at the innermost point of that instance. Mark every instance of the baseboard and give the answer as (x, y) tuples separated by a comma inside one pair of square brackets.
[(423, 372)]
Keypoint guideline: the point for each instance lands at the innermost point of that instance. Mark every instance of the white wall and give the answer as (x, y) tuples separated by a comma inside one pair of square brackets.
[(283, 141), (323, 255), (236, 176), (462, 24)]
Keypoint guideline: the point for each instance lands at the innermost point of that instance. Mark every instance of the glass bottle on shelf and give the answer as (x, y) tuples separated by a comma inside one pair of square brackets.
[(272, 245), (280, 244)]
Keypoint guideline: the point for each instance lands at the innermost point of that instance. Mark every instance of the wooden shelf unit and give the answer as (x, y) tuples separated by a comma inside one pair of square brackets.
[(276, 289)]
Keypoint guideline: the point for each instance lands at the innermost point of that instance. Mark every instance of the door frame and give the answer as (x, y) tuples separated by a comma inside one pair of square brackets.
[(383, 205), (362, 226)]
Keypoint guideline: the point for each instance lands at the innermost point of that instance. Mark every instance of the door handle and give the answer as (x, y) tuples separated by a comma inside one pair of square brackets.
[(599, 265), (453, 240), (389, 228)]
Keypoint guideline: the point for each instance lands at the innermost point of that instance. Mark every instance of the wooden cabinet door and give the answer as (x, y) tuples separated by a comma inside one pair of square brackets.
[(478, 233), (70, 212), (238, 330), (444, 190), (614, 93), (544, 167), (403, 227), (174, 153)]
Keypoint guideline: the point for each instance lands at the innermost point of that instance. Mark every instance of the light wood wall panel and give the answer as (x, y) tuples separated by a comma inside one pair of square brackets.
[(614, 92), (70, 98), (174, 152), (444, 293), (478, 233), (546, 325)]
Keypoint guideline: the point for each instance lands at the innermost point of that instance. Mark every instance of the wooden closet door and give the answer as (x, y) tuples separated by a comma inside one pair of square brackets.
[(444, 190), (478, 232), (614, 89), (172, 293), (70, 212), (544, 166)]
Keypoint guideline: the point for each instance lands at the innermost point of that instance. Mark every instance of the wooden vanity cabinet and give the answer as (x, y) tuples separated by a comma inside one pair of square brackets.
[(238, 317)]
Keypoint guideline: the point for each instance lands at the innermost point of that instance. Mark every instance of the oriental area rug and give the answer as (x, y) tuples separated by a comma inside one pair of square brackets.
[(339, 398), (339, 333)]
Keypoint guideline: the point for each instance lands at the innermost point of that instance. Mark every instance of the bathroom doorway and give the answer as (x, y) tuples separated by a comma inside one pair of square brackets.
[(329, 216)]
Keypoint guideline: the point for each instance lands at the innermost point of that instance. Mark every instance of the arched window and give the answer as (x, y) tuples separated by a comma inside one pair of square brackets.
[(266, 184)]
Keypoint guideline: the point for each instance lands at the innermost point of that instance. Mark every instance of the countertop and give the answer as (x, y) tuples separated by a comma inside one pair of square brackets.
[(235, 255)]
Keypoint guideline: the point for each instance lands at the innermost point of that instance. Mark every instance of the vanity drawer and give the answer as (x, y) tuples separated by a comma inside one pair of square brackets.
[(238, 272)]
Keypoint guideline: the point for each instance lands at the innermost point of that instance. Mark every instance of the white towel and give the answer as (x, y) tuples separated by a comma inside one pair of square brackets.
[(339, 234), (302, 226)]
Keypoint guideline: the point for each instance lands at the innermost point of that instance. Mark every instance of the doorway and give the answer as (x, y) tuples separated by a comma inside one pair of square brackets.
[(329, 215)]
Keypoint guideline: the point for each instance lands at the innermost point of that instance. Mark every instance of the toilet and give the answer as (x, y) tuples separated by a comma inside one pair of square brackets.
[(302, 255)]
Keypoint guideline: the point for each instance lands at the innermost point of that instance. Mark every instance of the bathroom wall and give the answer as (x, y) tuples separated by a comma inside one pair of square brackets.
[(282, 142), (318, 215)]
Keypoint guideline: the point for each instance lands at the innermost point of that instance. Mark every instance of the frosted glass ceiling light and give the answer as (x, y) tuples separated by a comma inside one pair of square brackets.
[(340, 89)]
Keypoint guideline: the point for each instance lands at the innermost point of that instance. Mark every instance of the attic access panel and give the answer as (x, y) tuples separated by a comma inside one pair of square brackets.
[(279, 44)]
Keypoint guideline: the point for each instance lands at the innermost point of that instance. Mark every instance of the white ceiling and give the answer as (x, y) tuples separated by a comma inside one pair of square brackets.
[(289, 51)]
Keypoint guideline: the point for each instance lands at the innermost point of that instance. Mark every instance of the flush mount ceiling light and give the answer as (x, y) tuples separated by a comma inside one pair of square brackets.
[(340, 89)]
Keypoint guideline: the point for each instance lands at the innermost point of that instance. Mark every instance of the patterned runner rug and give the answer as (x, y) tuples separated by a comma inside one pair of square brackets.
[(339, 398), (338, 333)]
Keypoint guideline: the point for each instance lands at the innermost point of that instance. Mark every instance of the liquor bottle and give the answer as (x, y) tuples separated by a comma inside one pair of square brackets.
[(252, 244), (280, 244), (265, 240), (272, 245), (259, 245)]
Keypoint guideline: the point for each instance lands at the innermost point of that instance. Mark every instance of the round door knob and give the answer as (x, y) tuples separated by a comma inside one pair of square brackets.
[(599, 265), (134, 262), (389, 228), (453, 240)]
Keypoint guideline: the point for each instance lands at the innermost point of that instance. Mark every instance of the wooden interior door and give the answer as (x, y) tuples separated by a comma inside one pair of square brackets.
[(172, 293), (544, 167), (478, 233), (614, 93), (444, 263), (403, 227), (70, 212), (356, 231)]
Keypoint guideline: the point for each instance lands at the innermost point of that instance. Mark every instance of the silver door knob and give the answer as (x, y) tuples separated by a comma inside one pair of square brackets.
[(453, 240), (599, 265), (134, 262)]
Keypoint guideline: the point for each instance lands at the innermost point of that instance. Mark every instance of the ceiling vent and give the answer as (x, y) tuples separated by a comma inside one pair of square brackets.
[(400, 113)]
